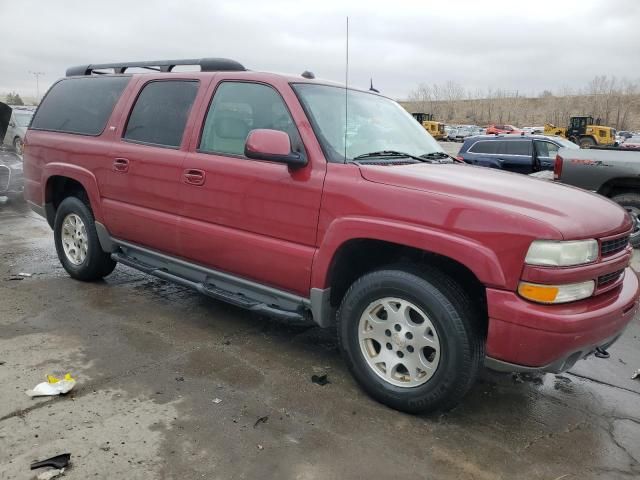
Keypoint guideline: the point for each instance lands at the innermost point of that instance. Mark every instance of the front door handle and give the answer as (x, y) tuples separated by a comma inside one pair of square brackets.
[(193, 176), (121, 165)]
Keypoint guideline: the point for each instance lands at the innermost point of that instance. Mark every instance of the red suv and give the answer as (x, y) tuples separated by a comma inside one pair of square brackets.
[(257, 189), (497, 129)]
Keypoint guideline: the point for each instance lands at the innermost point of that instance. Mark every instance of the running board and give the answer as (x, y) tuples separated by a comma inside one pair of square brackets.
[(240, 298)]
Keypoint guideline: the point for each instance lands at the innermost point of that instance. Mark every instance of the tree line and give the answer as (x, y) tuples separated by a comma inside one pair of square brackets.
[(616, 102)]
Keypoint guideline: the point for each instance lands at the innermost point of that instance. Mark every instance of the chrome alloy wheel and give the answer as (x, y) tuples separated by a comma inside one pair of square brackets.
[(74, 239), (399, 342)]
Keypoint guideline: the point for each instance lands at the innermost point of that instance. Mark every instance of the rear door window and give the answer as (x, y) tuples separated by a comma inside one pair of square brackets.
[(520, 147), (79, 105), (490, 147), (160, 112)]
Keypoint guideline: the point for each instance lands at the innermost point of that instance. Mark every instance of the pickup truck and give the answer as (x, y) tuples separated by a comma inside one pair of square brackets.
[(304, 200), (611, 172)]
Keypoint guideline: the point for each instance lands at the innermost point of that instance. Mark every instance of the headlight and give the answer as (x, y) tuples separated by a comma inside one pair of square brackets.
[(552, 253), (556, 293)]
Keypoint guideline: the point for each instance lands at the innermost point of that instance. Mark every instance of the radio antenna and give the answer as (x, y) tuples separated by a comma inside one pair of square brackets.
[(346, 91)]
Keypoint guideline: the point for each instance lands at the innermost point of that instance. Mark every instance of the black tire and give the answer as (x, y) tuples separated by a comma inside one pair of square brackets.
[(631, 203), (457, 323), (97, 263), (587, 142)]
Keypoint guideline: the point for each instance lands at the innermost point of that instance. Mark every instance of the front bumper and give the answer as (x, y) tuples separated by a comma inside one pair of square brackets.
[(525, 336)]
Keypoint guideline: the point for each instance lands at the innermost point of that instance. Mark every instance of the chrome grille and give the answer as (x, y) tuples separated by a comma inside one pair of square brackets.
[(5, 178), (604, 280), (609, 247)]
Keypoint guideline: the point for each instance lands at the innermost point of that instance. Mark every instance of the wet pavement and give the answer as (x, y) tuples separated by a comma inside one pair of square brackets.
[(171, 384)]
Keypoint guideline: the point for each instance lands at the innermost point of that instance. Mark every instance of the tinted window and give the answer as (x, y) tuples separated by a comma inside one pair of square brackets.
[(161, 111), (79, 105), (517, 148), (238, 108), (485, 147)]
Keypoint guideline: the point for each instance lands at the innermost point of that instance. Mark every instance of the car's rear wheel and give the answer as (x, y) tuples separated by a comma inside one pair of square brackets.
[(412, 339), (77, 242), (631, 203)]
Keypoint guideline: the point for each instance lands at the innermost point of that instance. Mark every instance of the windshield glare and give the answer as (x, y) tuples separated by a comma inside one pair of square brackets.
[(23, 119), (374, 123)]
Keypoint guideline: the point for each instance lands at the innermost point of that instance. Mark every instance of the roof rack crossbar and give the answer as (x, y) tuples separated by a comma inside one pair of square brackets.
[(206, 65)]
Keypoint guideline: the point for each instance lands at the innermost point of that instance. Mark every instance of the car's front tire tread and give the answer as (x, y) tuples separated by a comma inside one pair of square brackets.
[(464, 324)]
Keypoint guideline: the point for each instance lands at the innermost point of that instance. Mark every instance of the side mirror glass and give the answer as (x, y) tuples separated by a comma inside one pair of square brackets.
[(274, 146)]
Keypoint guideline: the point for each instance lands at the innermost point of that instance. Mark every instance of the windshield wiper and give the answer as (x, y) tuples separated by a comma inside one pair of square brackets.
[(391, 153), (436, 155)]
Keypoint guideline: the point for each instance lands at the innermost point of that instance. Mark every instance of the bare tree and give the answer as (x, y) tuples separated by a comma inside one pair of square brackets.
[(615, 101)]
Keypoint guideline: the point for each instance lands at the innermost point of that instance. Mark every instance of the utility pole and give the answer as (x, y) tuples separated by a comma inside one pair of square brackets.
[(37, 75)]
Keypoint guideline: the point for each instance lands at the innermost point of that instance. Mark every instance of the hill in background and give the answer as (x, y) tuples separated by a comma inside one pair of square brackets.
[(616, 103)]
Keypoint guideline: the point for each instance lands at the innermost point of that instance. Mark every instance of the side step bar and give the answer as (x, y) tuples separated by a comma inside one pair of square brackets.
[(238, 299)]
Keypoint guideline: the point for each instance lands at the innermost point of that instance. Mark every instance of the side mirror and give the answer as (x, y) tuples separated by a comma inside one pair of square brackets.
[(272, 145)]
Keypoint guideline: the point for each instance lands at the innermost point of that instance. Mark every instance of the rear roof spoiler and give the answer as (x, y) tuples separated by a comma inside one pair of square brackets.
[(206, 65)]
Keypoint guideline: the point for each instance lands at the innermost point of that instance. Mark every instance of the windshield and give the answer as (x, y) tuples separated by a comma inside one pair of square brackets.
[(23, 119), (374, 123)]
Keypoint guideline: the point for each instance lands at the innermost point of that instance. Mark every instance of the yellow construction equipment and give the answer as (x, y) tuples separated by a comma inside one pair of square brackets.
[(436, 129), (584, 132)]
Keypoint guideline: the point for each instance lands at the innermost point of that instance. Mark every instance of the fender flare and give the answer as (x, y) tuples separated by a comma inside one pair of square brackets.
[(81, 175), (484, 263)]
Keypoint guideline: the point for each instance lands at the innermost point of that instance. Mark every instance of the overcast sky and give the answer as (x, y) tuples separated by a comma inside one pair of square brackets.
[(479, 44)]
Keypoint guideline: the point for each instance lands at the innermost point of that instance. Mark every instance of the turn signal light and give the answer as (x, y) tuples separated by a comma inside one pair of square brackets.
[(556, 293), (538, 293)]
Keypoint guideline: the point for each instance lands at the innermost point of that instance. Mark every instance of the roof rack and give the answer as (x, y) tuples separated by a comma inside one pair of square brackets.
[(206, 65)]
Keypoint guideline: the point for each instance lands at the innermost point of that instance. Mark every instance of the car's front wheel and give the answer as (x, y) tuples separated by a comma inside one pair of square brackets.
[(77, 242), (412, 339)]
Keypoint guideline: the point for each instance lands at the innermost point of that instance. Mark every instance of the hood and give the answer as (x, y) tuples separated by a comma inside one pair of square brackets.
[(574, 213)]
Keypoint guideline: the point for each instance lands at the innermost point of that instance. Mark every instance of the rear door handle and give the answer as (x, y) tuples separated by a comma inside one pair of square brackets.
[(121, 165), (193, 176)]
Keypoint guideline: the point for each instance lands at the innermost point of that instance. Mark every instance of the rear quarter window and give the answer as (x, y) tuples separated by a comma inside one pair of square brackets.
[(79, 105), (486, 146)]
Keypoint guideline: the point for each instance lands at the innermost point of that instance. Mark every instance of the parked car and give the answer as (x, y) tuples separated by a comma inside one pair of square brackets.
[(623, 135), (520, 154), (506, 129), (451, 135), (631, 142), (11, 175), (17, 125), (613, 173), (244, 186), (461, 133), (447, 130)]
